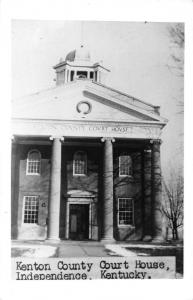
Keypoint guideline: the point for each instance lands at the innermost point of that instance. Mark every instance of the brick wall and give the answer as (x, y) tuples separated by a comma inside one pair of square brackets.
[(24, 185), (128, 187), (30, 185)]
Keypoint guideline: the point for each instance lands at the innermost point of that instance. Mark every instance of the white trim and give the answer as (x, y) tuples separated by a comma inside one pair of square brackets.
[(74, 128), (88, 122), (80, 194), (115, 99), (125, 225), (82, 175), (132, 103)]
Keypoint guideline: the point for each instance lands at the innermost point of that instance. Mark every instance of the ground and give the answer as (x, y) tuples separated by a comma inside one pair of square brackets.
[(97, 249)]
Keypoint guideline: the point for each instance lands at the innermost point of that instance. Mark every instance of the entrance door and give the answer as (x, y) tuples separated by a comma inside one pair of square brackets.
[(79, 222)]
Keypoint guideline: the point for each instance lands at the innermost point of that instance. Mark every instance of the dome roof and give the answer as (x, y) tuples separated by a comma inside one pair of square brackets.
[(81, 54), (70, 56)]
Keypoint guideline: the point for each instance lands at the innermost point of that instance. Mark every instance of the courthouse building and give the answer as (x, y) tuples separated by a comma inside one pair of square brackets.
[(85, 160)]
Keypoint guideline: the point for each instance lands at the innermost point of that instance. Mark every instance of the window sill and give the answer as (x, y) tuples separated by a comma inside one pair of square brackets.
[(79, 175), (129, 176), (30, 224), (126, 226), (33, 174)]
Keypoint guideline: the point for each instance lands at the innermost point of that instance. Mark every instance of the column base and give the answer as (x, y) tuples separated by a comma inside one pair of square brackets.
[(158, 239), (107, 240), (147, 238), (53, 240)]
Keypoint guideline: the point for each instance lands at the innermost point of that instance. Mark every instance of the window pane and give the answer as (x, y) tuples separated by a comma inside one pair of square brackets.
[(125, 212), (79, 163), (33, 162), (31, 206), (125, 165)]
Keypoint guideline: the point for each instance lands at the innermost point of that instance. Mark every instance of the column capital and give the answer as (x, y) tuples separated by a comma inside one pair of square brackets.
[(14, 140), (56, 137), (156, 141), (111, 139)]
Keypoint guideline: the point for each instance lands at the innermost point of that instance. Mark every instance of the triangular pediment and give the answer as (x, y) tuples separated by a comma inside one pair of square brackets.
[(83, 100)]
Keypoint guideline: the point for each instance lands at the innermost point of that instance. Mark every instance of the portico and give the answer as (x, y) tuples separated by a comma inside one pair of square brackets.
[(60, 203)]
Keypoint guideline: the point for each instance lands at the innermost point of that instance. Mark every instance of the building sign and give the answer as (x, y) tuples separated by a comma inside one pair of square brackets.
[(47, 128)]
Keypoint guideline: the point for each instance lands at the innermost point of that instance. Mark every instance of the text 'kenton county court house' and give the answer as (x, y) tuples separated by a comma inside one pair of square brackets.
[(85, 160)]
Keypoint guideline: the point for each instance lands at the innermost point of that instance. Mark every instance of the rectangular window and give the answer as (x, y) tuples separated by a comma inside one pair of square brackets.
[(125, 211), (33, 167), (31, 207), (79, 167), (125, 165), (80, 163)]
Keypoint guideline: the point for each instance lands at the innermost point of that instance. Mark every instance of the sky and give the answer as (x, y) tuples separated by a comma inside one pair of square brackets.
[(137, 54)]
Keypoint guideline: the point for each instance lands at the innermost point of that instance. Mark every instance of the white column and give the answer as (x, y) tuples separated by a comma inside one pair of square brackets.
[(157, 216), (107, 232), (55, 185)]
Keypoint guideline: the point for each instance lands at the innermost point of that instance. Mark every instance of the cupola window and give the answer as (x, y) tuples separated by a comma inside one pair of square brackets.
[(95, 73), (82, 74), (71, 75), (91, 75)]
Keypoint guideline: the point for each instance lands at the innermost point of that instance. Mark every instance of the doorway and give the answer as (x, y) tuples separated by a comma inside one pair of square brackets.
[(79, 222)]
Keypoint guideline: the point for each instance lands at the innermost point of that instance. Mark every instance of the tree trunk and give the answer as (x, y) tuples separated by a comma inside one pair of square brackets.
[(175, 232)]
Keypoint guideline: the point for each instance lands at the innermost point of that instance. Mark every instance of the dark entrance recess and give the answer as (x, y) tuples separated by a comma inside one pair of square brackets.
[(79, 222), (82, 74)]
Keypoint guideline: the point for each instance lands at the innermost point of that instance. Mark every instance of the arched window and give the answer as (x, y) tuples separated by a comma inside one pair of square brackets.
[(125, 165), (80, 163), (33, 162)]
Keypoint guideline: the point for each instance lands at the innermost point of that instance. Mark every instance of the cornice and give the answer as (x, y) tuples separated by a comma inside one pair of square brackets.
[(88, 122)]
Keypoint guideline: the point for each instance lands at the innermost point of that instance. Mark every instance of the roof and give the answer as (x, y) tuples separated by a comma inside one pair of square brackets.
[(56, 102)]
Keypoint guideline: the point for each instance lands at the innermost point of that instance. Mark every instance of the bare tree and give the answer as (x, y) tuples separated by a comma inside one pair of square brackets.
[(176, 62), (173, 206), (176, 34)]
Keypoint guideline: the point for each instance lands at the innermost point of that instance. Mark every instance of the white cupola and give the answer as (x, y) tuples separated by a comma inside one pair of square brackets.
[(78, 65)]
